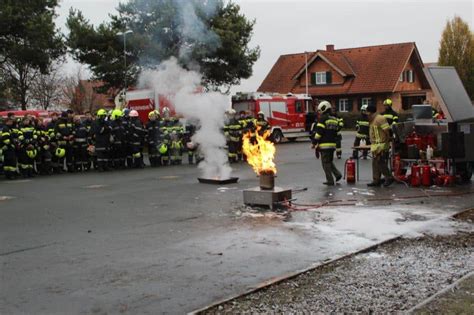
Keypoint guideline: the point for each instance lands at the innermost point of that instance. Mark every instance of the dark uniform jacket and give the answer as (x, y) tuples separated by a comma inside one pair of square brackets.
[(391, 116), (326, 132)]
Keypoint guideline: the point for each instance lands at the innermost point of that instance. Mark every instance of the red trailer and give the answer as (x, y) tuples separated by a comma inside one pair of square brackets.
[(146, 100)]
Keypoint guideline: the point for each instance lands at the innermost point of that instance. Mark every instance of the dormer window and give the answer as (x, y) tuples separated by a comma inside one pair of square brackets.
[(321, 78)]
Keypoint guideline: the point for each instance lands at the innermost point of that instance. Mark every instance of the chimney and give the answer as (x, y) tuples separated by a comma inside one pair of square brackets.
[(329, 47)]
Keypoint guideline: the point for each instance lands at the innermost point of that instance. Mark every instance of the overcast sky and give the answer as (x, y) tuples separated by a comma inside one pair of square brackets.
[(284, 27)]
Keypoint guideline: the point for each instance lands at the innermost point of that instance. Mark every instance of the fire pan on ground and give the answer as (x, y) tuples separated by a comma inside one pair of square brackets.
[(218, 181)]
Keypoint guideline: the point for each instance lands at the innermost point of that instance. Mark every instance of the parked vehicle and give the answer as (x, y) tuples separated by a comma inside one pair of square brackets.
[(290, 115)]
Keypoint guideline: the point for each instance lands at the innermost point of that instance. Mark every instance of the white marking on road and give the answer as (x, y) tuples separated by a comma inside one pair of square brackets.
[(95, 186), (19, 181), (169, 177), (4, 198)]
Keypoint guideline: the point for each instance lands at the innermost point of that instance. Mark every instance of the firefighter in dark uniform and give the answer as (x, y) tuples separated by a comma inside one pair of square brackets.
[(362, 129), (261, 123), (28, 151), (233, 133), (153, 137), (44, 156), (64, 135), (101, 131), (118, 147), (136, 136), (53, 142), (340, 122), (8, 143), (389, 114), (82, 139), (243, 123), (325, 139), (191, 147)]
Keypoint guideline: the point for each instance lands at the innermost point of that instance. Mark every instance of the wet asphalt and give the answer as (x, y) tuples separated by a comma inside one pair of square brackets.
[(156, 241)]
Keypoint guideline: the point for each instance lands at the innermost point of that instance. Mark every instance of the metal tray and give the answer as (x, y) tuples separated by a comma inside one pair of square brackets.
[(231, 180)]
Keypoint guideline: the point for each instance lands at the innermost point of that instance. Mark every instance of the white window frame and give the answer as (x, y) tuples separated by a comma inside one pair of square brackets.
[(365, 101), (343, 105), (400, 79), (320, 78)]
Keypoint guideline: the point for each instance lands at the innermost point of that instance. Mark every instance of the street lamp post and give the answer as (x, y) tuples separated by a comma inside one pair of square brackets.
[(125, 55)]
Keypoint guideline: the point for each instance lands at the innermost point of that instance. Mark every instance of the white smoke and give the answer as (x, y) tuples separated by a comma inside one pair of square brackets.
[(181, 87)]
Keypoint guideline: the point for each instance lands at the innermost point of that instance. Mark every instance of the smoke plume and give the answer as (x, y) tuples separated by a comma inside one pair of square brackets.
[(181, 87)]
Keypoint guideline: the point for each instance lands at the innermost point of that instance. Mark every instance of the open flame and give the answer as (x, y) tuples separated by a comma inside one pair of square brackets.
[(260, 152)]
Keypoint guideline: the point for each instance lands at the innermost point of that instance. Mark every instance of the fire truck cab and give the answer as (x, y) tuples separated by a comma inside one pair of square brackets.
[(290, 115)]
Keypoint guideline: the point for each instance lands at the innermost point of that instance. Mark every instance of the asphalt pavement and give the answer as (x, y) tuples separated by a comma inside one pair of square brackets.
[(156, 241)]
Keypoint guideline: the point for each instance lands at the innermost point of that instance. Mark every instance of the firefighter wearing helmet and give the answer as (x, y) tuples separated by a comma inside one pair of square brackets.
[(118, 146), (261, 123), (380, 138), (82, 139), (325, 139), (362, 129), (390, 115), (233, 133), (101, 134), (153, 139), (27, 150), (136, 135), (64, 132), (8, 141)]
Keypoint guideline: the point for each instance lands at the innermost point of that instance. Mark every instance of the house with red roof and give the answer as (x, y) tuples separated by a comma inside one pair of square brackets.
[(352, 77)]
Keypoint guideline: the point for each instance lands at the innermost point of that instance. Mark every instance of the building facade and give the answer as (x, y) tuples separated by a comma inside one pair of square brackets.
[(352, 77)]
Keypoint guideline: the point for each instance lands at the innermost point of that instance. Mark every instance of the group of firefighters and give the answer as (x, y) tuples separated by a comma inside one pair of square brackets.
[(237, 126), (110, 140), (372, 128)]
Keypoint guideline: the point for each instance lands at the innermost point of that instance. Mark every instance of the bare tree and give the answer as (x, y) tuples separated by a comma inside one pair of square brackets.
[(46, 89), (80, 94)]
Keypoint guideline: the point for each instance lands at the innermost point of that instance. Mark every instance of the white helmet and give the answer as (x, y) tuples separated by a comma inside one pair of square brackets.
[(133, 113), (324, 106), (363, 108), (232, 111)]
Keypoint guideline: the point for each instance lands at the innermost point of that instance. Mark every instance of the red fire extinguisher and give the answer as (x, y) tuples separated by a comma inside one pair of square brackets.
[(397, 166), (426, 175), (349, 171), (415, 175), (418, 141)]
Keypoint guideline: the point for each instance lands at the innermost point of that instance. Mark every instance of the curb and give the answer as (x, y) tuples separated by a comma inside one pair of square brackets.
[(294, 274), (291, 275), (439, 293)]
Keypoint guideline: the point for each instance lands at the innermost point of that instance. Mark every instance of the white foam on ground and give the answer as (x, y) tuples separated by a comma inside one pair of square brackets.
[(378, 223)]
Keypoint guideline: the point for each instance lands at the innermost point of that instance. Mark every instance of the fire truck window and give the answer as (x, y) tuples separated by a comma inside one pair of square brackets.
[(299, 107)]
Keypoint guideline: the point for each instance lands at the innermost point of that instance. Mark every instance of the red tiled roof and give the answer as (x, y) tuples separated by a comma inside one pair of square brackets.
[(280, 77), (376, 69)]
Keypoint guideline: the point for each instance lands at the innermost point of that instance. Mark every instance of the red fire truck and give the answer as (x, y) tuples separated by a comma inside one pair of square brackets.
[(290, 115), (146, 100)]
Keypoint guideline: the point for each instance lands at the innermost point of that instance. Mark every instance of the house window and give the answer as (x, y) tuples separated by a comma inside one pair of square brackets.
[(410, 76), (318, 78), (401, 77), (343, 105), (366, 101)]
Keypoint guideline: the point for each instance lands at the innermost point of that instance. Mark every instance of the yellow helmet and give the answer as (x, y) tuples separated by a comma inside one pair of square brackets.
[(60, 152), (101, 113), (387, 102), (116, 113), (163, 148), (31, 153), (154, 113)]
